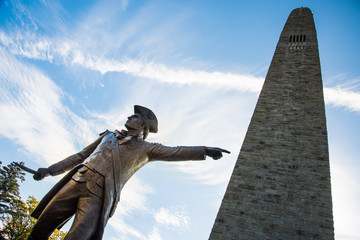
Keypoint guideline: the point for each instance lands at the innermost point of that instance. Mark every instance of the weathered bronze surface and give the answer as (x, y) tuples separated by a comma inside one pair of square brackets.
[(91, 189)]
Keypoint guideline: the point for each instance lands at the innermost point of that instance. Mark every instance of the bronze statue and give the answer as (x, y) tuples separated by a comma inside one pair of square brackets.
[(91, 190)]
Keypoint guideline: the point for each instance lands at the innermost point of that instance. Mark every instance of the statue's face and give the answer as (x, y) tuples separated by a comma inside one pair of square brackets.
[(135, 121)]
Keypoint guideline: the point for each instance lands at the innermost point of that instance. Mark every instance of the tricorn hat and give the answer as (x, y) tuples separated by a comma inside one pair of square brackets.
[(148, 116)]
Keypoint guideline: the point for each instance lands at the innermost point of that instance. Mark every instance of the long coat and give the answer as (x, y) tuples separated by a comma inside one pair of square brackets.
[(117, 163)]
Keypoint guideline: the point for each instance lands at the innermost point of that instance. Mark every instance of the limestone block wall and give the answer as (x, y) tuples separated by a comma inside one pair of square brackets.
[(280, 187)]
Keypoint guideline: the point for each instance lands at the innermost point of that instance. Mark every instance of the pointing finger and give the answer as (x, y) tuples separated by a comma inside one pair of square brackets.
[(224, 150)]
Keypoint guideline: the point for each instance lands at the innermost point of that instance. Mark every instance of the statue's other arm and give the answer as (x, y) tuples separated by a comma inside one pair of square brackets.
[(164, 153), (69, 162)]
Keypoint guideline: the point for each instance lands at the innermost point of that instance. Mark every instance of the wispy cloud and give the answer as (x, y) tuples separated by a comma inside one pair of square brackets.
[(34, 116), (31, 110), (163, 73), (134, 199), (155, 234), (65, 51), (345, 187), (77, 50), (343, 97), (173, 218)]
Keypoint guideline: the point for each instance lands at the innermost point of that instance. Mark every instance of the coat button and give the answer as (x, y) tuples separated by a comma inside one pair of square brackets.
[(82, 170), (79, 179)]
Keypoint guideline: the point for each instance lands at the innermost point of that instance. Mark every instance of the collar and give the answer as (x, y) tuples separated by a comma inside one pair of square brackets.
[(123, 138)]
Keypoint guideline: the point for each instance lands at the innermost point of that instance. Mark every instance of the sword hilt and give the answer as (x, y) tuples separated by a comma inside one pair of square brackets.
[(26, 169)]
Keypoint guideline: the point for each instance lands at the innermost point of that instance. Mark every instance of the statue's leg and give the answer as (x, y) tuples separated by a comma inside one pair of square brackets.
[(86, 218), (59, 210), (89, 208)]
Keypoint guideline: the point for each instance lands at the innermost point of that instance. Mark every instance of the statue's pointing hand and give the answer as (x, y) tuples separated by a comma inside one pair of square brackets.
[(214, 152), (41, 173)]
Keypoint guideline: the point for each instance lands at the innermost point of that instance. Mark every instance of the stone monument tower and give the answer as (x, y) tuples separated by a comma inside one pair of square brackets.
[(280, 187)]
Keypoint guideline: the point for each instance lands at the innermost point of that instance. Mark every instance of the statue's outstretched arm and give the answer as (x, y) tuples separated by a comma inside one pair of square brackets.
[(182, 153)]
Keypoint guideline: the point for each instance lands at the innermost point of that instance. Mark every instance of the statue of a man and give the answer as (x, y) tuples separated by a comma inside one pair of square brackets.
[(91, 189)]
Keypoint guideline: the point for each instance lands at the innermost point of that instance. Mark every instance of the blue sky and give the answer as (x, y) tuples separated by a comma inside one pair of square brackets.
[(71, 69)]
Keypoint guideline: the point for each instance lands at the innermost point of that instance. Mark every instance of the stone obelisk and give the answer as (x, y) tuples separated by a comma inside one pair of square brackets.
[(280, 187)]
